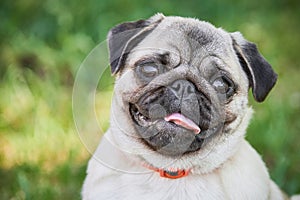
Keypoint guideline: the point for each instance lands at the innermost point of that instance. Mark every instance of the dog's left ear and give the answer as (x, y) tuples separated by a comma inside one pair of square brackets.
[(124, 37), (260, 74)]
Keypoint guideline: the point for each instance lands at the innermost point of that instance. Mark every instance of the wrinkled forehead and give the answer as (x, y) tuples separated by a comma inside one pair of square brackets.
[(184, 40)]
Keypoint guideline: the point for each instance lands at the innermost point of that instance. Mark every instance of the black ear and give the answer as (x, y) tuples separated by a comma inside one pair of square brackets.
[(261, 76), (124, 37)]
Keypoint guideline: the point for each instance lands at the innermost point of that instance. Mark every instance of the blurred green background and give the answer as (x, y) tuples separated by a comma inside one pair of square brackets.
[(42, 44)]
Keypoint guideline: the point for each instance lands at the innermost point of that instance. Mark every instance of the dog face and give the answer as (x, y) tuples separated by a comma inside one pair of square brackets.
[(181, 89)]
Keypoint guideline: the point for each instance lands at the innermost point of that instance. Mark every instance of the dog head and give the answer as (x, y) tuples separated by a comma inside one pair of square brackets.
[(182, 89)]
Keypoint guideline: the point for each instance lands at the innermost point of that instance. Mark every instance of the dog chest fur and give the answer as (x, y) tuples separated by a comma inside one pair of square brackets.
[(237, 178)]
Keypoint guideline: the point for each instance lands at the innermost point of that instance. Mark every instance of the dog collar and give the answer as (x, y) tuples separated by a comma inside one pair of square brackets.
[(172, 174)]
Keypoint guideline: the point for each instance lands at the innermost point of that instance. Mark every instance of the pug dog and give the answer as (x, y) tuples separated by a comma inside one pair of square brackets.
[(179, 115)]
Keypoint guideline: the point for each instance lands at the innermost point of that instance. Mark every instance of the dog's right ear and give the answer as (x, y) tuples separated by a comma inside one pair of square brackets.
[(124, 37), (261, 76)]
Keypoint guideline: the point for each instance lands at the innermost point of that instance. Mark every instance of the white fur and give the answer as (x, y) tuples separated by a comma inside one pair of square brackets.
[(244, 176)]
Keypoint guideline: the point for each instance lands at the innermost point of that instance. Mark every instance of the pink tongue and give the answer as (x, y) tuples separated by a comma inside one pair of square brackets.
[(183, 121)]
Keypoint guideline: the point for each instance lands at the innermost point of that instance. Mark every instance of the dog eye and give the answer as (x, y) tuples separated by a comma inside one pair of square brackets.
[(148, 70), (224, 85)]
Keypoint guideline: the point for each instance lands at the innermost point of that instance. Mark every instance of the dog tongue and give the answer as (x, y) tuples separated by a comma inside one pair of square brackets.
[(183, 121)]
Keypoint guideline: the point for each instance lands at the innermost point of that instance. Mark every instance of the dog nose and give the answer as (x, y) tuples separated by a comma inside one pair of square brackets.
[(182, 88)]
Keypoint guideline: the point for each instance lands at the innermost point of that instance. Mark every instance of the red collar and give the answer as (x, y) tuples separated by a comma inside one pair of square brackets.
[(172, 174)]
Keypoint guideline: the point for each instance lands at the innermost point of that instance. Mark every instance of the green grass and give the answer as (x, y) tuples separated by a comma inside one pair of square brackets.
[(274, 132), (41, 156), (42, 45)]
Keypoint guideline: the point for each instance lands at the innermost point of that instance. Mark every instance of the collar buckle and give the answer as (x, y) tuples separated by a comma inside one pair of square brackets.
[(173, 174)]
